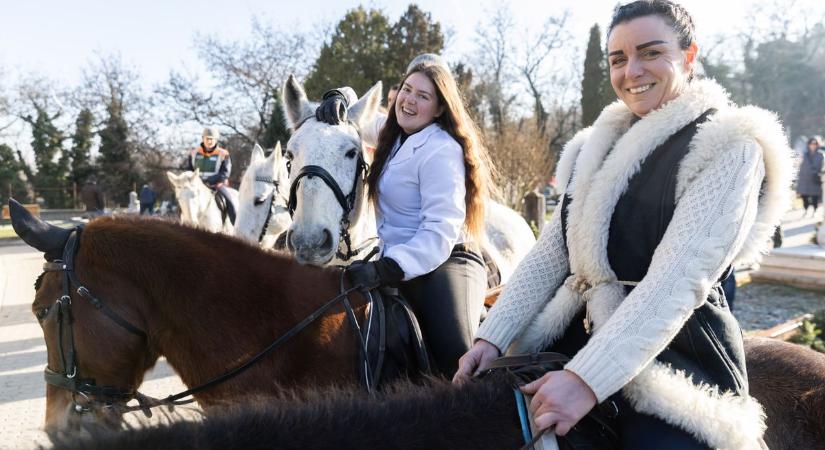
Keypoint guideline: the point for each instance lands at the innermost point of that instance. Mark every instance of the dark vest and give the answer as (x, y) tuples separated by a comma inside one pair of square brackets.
[(709, 346)]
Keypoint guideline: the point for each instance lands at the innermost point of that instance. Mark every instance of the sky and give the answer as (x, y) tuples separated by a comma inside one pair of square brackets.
[(57, 38)]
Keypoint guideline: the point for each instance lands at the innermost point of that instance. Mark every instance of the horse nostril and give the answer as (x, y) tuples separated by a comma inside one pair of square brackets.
[(327, 243), (289, 245)]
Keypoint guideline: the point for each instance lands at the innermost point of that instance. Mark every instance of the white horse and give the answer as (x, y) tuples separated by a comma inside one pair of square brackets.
[(198, 206), (321, 218), (262, 198)]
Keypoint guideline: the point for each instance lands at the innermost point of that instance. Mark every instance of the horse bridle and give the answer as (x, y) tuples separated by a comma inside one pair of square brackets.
[(69, 378), (276, 192), (347, 202)]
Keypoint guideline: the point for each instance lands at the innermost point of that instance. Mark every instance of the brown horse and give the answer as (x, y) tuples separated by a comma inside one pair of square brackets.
[(208, 302), (205, 301)]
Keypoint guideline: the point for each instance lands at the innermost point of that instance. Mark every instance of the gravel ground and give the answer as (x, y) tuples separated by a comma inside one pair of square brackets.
[(762, 305)]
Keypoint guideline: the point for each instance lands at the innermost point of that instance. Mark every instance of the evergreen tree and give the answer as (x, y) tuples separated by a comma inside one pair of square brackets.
[(414, 33), (81, 148), (117, 170), (366, 48), (276, 129), (47, 140), (12, 176), (596, 90)]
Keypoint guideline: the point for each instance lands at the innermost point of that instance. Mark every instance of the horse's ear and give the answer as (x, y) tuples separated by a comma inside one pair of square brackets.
[(172, 178), (296, 105), (43, 236), (363, 112), (275, 156), (196, 173), (257, 154)]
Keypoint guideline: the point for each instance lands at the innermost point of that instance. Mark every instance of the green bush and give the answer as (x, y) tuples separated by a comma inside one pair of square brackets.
[(810, 335)]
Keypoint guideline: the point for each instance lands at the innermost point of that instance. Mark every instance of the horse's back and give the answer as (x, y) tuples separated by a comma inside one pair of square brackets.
[(509, 237), (789, 381)]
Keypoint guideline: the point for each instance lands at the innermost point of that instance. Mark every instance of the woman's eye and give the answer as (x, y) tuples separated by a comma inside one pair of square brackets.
[(617, 61), (652, 53)]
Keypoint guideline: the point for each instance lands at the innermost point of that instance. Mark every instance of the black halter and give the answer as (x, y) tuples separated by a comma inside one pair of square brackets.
[(95, 396), (347, 202)]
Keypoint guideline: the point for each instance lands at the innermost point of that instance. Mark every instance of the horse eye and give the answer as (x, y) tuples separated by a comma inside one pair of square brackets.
[(41, 314), (351, 154), (288, 155), (259, 201)]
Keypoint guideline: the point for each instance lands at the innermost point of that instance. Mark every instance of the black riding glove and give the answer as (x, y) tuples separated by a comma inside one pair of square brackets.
[(333, 108), (373, 274)]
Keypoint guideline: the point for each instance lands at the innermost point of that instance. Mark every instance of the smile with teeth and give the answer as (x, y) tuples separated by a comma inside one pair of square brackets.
[(640, 89), (407, 111)]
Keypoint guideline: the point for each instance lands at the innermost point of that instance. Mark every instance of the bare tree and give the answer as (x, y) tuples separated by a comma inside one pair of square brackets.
[(242, 79)]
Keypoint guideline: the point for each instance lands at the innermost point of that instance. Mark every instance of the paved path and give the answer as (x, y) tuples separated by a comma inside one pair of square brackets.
[(23, 354)]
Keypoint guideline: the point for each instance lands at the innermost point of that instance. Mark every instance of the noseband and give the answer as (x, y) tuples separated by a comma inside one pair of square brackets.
[(347, 202)]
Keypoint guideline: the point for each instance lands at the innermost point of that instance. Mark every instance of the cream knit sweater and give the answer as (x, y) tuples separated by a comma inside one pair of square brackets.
[(708, 229)]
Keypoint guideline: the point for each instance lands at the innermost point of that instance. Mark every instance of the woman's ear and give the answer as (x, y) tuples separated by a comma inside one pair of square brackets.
[(690, 56)]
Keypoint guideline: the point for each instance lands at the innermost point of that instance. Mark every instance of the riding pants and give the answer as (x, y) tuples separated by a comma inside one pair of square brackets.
[(448, 303)]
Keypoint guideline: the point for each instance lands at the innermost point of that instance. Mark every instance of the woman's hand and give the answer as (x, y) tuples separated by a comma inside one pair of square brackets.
[(560, 399), (477, 358)]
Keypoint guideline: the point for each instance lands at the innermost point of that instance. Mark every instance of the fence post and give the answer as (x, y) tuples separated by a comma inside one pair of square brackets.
[(535, 208)]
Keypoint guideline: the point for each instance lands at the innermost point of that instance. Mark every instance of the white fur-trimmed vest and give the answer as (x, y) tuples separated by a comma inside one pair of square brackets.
[(721, 419)]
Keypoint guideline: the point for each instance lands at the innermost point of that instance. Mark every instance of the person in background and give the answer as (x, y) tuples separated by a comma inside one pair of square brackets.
[(808, 180), (215, 166), (147, 200), (669, 188), (92, 197), (391, 95)]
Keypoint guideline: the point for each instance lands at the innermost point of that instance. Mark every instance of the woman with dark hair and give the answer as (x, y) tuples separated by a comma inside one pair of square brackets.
[(809, 179), (670, 187), (428, 181)]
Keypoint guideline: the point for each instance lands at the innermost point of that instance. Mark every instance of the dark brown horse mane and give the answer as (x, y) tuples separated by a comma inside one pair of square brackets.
[(426, 416)]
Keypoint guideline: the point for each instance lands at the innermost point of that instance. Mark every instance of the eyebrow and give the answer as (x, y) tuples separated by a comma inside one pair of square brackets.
[(419, 90), (638, 47)]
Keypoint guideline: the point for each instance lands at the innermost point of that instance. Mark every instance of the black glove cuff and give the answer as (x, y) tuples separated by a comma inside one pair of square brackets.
[(389, 271)]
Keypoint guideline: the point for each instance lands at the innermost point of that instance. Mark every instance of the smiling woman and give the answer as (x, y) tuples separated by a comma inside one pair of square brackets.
[(670, 187)]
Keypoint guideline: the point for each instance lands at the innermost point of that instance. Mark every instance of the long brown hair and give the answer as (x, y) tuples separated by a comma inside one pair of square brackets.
[(457, 123)]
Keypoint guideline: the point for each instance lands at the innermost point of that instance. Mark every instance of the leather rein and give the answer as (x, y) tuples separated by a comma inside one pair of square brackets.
[(69, 377)]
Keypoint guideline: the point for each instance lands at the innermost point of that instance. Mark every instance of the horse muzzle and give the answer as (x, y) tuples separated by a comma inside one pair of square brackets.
[(315, 249)]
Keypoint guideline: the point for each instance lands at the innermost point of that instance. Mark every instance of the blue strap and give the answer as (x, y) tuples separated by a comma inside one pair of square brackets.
[(521, 405)]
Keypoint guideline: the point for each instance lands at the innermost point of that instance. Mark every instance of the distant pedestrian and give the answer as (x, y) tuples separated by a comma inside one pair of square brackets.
[(808, 181), (147, 200), (92, 197)]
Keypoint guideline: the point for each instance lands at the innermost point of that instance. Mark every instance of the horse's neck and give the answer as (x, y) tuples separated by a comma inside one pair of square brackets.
[(209, 216)]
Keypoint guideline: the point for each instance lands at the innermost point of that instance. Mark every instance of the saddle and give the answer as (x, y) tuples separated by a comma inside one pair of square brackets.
[(220, 200), (393, 346), (597, 430)]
